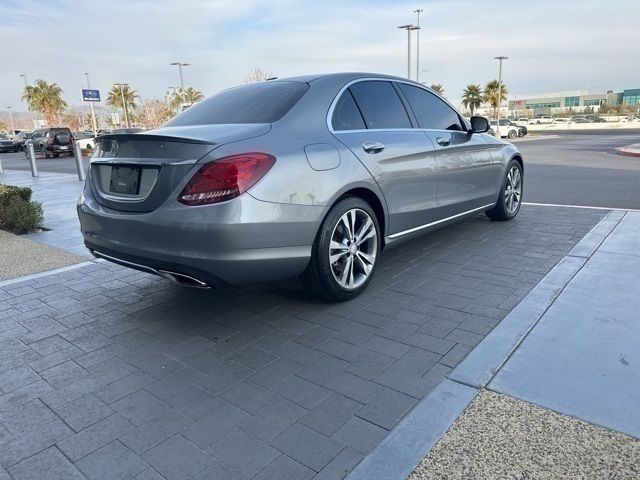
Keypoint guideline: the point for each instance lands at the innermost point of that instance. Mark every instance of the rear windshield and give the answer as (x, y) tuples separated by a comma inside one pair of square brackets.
[(263, 102)]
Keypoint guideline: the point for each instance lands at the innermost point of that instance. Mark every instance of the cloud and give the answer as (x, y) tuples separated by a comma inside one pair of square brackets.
[(552, 45)]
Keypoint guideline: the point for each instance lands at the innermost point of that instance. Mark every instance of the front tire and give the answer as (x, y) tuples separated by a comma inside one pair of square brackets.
[(510, 197), (345, 252), (512, 134)]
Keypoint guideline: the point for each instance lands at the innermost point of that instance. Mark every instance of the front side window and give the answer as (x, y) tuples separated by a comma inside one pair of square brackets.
[(430, 111), (346, 115), (263, 102), (380, 105)]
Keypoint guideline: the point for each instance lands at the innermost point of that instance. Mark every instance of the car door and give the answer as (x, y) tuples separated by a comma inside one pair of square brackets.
[(468, 172), (370, 118)]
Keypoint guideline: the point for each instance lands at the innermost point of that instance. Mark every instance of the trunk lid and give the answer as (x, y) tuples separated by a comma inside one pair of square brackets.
[(137, 172)]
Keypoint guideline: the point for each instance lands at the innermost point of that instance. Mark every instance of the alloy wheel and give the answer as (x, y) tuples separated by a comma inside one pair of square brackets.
[(513, 190), (353, 248)]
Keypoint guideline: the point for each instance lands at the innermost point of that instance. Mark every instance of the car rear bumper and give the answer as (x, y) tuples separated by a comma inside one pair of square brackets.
[(60, 149), (239, 241)]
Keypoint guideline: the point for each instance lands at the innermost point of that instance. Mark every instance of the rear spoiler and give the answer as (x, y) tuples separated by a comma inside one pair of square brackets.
[(151, 137)]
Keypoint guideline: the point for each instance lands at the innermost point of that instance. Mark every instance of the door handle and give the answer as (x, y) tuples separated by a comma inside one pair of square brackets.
[(443, 141), (372, 147)]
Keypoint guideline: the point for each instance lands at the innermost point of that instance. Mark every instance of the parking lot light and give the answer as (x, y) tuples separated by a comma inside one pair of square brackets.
[(124, 103), (11, 120), (418, 12), (180, 65), (500, 59), (408, 28)]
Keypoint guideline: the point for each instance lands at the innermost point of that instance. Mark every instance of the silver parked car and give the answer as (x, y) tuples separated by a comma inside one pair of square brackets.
[(310, 176)]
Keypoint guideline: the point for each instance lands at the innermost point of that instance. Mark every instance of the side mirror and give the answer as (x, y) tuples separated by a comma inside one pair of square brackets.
[(479, 124)]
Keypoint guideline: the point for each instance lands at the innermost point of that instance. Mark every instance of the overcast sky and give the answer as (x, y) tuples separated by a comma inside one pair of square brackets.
[(553, 45)]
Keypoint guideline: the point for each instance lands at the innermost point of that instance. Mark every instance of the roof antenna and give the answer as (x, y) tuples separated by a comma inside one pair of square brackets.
[(270, 78)]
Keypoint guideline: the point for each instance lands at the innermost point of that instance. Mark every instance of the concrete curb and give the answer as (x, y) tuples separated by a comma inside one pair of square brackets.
[(32, 276), (484, 361), (416, 434), (592, 240), (413, 438), (630, 150)]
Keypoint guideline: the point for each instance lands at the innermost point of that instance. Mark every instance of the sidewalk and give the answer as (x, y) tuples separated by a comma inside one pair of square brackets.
[(583, 356), (58, 193), (570, 347)]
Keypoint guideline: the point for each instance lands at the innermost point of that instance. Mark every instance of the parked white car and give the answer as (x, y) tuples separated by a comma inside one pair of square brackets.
[(524, 120), (509, 131), (543, 120), (85, 140)]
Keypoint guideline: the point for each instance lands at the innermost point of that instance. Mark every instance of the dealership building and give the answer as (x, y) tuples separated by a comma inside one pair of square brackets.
[(549, 104)]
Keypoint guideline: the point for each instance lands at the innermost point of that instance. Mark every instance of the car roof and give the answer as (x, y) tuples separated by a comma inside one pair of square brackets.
[(339, 76)]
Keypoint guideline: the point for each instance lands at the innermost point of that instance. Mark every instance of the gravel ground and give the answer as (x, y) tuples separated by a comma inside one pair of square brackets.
[(499, 437), (20, 256)]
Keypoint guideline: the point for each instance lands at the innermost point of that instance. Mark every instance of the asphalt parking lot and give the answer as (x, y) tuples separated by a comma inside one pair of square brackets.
[(110, 373), (582, 169), (567, 168)]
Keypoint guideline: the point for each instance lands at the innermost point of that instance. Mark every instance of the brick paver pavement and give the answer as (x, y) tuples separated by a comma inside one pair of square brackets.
[(110, 373)]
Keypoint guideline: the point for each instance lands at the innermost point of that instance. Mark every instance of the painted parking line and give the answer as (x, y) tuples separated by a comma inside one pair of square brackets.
[(581, 206)]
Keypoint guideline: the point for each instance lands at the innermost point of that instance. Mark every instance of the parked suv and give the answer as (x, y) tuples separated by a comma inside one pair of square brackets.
[(522, 130), (52, 142), (6, 144)]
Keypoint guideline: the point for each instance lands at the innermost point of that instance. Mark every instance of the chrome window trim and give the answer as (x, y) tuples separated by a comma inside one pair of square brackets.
[(422, 227), (390, 80)]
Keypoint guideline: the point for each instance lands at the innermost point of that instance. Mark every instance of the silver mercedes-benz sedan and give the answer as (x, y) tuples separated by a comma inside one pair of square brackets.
[(311, 176)]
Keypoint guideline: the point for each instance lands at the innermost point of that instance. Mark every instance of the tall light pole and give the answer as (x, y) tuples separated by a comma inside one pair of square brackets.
[(418, 12), (124, 103), (94, 124), (180, 65), (26, 84), (408, 28), (11, 121), (500, 59), (176, 95), (420, 74)]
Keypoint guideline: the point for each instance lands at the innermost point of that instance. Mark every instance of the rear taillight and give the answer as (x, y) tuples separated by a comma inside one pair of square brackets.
[(226, 178)]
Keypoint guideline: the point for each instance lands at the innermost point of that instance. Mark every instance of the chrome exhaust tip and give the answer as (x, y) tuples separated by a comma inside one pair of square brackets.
[(177, 278), (182, 279)]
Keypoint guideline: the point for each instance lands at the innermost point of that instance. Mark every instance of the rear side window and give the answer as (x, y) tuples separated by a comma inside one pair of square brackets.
[(263, 102), (346, 115), (380, 105), (430, 111)]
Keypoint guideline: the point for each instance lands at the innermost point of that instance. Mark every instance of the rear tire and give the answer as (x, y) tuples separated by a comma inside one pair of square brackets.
[(345, 252), (510, 197)]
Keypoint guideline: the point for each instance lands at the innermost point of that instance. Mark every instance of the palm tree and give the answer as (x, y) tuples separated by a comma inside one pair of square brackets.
[(188, 96), (46, 98), (491, 94), (114, 99), (437, 87), (472, 97), (124, 97)]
